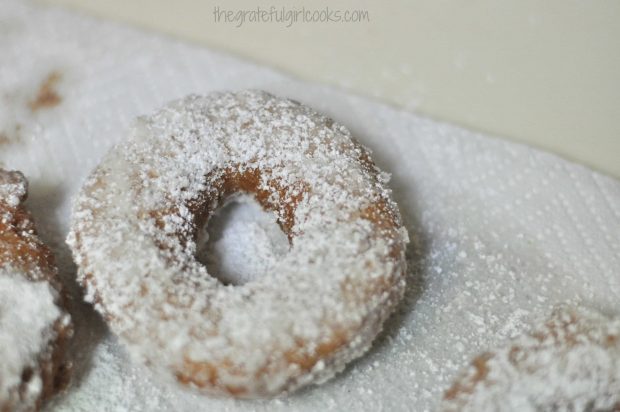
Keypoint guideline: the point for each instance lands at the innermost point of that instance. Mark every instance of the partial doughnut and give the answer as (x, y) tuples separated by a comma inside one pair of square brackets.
[(570, 363), (134, 231), (34, 325)]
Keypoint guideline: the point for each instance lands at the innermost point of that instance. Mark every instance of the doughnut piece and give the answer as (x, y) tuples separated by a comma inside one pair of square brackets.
[(135, 224), (570, 363), (34, 326)]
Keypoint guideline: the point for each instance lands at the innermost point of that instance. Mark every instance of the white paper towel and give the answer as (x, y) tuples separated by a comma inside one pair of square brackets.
[(501, 232)]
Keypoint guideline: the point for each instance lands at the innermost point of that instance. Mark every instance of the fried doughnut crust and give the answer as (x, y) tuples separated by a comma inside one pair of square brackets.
[(569, 363), (134, 232), (34, 325)]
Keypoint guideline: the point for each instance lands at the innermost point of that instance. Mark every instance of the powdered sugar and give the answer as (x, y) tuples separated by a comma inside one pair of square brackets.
[(535, 229), (28, 303), (13, 188), (242, 242), (27, 314), (571, 362), (133, 237)]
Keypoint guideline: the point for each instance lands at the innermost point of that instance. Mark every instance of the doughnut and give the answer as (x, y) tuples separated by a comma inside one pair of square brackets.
[(34, 325), (135, 224), (569, 363)]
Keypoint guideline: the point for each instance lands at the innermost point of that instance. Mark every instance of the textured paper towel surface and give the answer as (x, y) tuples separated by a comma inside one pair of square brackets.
[(501, 232)]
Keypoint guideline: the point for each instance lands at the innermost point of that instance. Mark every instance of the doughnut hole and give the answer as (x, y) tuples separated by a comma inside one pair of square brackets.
[(241, 241)]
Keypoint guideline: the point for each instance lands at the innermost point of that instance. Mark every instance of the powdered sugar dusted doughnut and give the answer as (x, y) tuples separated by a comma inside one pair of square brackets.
[(571, 363), (34, 328), (134, 239)]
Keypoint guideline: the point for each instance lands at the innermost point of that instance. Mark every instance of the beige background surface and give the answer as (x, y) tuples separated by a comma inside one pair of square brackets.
[(545, 73)]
